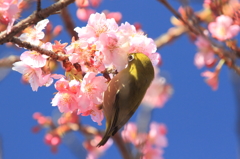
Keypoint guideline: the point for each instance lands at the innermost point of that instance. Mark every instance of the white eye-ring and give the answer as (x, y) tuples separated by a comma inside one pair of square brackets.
[(130, 57)]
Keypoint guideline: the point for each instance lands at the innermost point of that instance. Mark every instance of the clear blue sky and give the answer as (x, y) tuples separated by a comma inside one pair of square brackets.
[(201, 123)]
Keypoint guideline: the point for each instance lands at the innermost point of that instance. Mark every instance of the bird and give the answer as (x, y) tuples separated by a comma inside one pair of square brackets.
[(125, 92)]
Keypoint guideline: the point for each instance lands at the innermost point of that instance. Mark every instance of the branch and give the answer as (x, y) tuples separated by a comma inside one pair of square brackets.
[(219, 50), (89, 130), (122, 146), (69, 24), (55, 56), (172, 34), (8, 61), (33, 19)]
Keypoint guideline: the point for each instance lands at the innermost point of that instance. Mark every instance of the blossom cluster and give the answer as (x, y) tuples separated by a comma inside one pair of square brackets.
[(150, 144), (9, 10), (222, 27), (102, 48)]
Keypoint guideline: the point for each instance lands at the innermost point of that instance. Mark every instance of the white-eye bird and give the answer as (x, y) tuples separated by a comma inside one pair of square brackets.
[(125, 92)]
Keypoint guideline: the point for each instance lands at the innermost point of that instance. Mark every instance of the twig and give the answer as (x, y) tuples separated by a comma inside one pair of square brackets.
[(69, 24), (33, 19), (8, 61), (39, 5), (56, 56), (170, 8), (172, 34)]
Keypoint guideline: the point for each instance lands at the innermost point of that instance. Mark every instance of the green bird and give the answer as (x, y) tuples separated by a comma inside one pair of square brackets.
[(125, 92)]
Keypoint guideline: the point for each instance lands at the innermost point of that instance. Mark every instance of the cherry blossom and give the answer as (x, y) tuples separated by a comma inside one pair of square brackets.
[(205, 56), (151, 144), (9, 10), (157, 134), (34, 75), (92, 88), (97, 24), (223, 29), (129, 132), (66, 98), (34, 35), (113, 49), (84, 13), (152, 153), (158, 92), (211, 79), (93, 151)]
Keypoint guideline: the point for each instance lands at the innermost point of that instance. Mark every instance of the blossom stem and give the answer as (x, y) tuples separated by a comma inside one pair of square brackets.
[(55, 56)]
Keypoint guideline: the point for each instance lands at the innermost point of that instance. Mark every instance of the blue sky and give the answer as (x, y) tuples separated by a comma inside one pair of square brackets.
[(201, 123)]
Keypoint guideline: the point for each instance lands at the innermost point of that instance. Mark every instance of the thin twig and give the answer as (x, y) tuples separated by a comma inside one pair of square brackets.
[(33, 19), (56, 56)]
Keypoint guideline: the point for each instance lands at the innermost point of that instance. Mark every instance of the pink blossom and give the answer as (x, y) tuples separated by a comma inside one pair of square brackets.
[(127, 30), (66, 98), (129, 132), (95, 3), (62, 85), (211, 79), (52, 140), (223, 29), (66, 101), (152, 153), (84, 13), (34, 35), (47, 80), (34, 75), (97, 24), (82, 3), (115, 15), (146, 46), (158, 92), (92, 89), (9, 10), (97, 115), (114, 52), (157, 134), (36, 59), (93, 151), (205, 56)]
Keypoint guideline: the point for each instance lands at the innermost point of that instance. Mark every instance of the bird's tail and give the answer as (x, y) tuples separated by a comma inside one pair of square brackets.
[(103, 141)]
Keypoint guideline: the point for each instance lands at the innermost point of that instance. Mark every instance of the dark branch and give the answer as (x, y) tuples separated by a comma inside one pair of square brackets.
[(69, 24)]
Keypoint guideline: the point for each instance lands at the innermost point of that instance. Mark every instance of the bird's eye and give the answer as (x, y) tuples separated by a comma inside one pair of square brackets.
[(130, 57)]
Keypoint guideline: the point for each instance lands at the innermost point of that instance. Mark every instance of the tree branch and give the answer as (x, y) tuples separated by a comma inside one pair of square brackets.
[(8, 61), (33, 19), (122, 146), (69, 24), (55, 56)]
